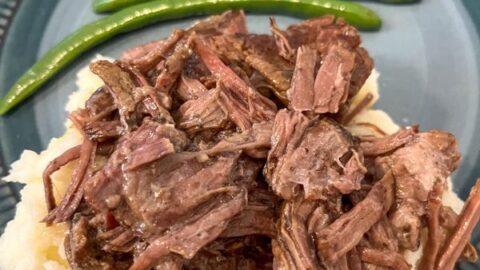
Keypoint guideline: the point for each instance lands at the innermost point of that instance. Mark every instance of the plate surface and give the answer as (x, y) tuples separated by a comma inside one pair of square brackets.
[(428, 55)]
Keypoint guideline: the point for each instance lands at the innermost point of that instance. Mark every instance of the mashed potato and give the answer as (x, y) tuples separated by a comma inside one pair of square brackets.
[(28, 244)]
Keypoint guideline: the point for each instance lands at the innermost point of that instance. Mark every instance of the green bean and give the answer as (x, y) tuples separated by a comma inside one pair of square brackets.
[(104, 6)]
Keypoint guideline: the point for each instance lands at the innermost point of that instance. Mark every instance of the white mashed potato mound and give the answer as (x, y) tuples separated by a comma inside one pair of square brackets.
[(29, 244)]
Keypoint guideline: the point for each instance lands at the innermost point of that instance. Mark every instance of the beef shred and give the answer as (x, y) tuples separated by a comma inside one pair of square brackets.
[(216, 148)]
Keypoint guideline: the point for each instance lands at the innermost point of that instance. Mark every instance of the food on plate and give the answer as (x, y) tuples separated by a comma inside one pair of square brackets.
[(216, 148), (141, 15), (104, 6)]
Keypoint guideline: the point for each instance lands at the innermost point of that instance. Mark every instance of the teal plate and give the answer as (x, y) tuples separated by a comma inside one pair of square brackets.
[(428, 55)]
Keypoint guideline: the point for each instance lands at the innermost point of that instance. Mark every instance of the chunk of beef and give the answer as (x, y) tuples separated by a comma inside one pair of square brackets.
[(258, 217), (117, 239), (262, 56), (104, 192), (381, 236), (301, 92), (227, 23), (428, 158), (282, 42), (343, 234), (243, 105), (84, 253), (190, 88), (246, 174), (318, 155), (254, 141), (361, 71), (203, 113), (294, 248), (156, 53), (376, 147), (172, 67), (178, 195), (249, 253), (100, 100), (321, 33), (333, 80), (141, 50), (120, 86), (390, 259), (187, 239), (103, 130)]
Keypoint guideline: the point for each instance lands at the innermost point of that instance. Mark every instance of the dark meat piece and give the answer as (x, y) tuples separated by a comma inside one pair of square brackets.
[(203, 113), (353, 260), (343, 234), (390, 259), (245, 175), (227, 23), (149, 152), (232, 22), (172, 67), (229, 49), (320, 158), (456, 242), (117, 239), (248, 253), (190, 88), (293, 248), (301, 93), (258, 217), (388, 143), (243, 105), (381, 235), (120, 86), (104, 191), (103, 130), (321, 33), (54, 165), (156, 53), (140, 51), (175, 195), (84, 252), (361, 71), (187, 239), (74, 194), (170, 262), (255, 141), (288, 129), (154, 102), (333, 80), (282, 42), (428, 158), (99, 101), (261, 55)]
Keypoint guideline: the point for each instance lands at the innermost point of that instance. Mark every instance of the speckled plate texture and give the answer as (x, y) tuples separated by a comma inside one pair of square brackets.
[(428, 55)]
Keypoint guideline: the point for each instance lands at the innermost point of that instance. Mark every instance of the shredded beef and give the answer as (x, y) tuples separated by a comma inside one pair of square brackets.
[(428, 158), (216, 148), (318, 156)]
